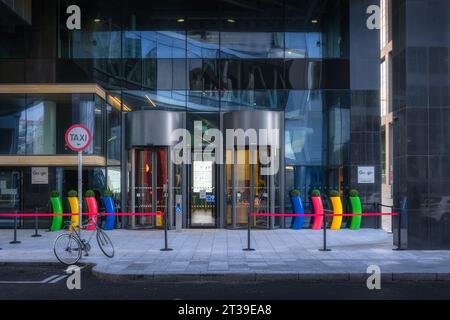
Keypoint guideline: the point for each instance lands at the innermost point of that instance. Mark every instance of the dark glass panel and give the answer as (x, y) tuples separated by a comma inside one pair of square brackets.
[(203, 44), (12, 124), (203, 74), (154, 100), (203, 100)]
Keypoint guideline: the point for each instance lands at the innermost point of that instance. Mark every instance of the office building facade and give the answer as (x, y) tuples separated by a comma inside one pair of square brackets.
[(133, 72)]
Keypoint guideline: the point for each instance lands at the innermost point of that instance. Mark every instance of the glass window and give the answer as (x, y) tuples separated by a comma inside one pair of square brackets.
[(164, 74), (94, 45), (113, 181), (154, 44), (252, 45), (203, 74), (41, 127), (252, 74), (338, 130), (304, 128), (253, 99), (154, 100), (114, 131), (203, 44), (203, 100), (303, 45), (12, 124)]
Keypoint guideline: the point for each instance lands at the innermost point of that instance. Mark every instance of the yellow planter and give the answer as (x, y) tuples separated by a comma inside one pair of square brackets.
[(159, 221), (337, 209), (73, 203)]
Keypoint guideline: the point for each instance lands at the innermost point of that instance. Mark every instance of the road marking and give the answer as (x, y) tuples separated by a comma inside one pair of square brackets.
[(59, 279), (49, 278), (52, 279), (30, 282)]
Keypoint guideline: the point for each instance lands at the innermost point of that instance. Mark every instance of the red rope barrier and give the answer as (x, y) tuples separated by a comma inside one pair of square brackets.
[(321, 215), (43, 215)]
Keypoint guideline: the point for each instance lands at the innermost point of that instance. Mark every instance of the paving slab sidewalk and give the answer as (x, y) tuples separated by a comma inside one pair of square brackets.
[(217, 255)]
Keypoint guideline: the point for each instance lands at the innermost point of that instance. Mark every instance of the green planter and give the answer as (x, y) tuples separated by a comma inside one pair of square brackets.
[(356, 205), (57, 209)]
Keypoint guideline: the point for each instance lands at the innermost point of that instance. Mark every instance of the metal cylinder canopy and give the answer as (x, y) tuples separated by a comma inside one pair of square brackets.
[(152, 127), (252, 120), (267, 124)]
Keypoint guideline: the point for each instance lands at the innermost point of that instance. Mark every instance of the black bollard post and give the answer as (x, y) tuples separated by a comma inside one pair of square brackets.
[(399, 231), (36, 226), (15, 241), (249, 229), (166, 244), (325, 249)]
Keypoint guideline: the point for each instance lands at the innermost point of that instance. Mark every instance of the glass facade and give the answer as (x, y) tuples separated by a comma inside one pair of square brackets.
[(32, 123), (203, 59)]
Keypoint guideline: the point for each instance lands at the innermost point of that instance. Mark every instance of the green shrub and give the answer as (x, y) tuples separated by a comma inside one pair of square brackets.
[(334, 193), (54, 194), (72, 194), (353, 193), (295, 193), (107, 193), (315, 193), (90, 194)]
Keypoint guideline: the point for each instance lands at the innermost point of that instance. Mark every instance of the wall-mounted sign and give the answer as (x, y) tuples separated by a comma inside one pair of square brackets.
[(203, 176), (39, 175), (366, 175)]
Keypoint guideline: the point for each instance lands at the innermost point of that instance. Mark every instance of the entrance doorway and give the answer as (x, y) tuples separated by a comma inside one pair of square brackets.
[(149, 186), (203, 195), (248, 191)]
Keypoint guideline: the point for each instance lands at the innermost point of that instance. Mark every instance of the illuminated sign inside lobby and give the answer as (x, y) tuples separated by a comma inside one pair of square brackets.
[(203, 176)]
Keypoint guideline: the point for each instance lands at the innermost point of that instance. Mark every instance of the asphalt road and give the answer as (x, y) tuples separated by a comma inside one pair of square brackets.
[(49, 282)]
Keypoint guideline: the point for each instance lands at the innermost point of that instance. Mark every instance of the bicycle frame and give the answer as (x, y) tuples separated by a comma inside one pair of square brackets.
[(77, 232)]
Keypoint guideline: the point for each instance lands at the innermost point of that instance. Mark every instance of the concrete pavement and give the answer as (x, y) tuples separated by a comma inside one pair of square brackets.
[(217, 255)]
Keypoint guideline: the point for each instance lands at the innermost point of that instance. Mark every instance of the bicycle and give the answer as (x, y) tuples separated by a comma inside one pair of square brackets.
[(69, 247)]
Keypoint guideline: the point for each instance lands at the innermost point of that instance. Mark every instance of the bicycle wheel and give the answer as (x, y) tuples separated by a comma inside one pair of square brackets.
[(105, 243), (67, 249)]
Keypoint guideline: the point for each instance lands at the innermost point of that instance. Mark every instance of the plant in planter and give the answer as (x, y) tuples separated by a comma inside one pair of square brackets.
[(72, 194), (316, 199), (92, 208), (334, 193), (107, 193), (72, 197), (297, 222), (57, 208), (356, 206), (353, 193), (54, 194), (338, 209), (110, 208), (90, 194)]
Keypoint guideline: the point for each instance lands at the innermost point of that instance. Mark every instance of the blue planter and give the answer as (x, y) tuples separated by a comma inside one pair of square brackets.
[(298, 209), (110, 207)]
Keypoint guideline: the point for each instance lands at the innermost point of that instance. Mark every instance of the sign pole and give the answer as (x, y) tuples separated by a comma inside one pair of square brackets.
[(78, 138), (80, 190)]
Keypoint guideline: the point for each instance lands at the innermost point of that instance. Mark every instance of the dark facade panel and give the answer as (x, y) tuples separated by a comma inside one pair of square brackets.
[(422, 37)]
